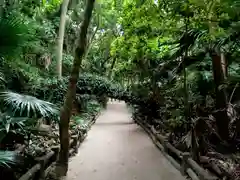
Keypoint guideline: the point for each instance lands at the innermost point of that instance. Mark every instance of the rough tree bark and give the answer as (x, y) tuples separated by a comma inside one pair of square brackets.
[(62, 163), (64, 8), (219, 74)]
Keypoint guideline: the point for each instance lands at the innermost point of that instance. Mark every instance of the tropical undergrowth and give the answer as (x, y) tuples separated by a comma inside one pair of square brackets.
[(31, 95), (180, 61)]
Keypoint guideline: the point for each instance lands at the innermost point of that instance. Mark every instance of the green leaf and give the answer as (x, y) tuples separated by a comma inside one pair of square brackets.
[(7, 158), (24, 105), (7, 127)]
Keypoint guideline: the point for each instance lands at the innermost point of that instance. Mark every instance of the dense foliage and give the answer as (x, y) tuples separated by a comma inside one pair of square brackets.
[(176, 63), (31, 93), (179, 61)]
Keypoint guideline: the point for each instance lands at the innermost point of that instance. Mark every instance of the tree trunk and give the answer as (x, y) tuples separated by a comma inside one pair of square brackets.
[(59, 52), (111, 68), (62, 164), (219, 74), (89, 44), (219, 67)]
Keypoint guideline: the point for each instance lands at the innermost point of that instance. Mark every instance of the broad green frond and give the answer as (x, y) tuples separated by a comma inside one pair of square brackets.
[(13, 35), (24, 105), (7, 158)]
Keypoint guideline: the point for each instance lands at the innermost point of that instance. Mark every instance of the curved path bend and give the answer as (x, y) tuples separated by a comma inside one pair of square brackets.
[(117, 149)]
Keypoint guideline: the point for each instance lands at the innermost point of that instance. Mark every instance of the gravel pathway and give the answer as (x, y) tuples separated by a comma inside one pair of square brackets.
[(117, 149)]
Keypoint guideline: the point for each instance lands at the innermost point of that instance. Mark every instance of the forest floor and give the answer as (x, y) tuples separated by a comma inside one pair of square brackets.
[(118, 149)]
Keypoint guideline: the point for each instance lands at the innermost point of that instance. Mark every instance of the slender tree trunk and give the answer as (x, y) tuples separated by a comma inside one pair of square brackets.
[(219, 67), (90, 41), (185, 85), (224, 65), (89, 44), (219, 74), (111, 68), (59, 52), (62, 164)]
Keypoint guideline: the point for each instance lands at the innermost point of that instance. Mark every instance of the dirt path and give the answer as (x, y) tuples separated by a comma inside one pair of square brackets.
[(117, 149)]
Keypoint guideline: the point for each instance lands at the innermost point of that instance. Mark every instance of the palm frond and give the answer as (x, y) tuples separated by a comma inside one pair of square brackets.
[(2, 80), (189, 39), (25, 105), (7, 158), (2, 77), (13, 34), (6, 122), (232, 39)]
